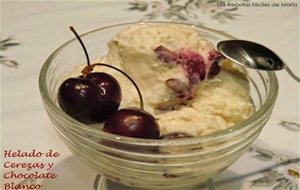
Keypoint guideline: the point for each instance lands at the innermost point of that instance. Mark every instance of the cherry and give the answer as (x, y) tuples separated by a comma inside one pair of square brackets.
[(76, 96), (92, 97), (214, 70), (108, 96), (132, 122)]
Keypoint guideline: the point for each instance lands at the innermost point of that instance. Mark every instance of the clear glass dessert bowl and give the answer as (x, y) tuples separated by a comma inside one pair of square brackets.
[(151, 164)]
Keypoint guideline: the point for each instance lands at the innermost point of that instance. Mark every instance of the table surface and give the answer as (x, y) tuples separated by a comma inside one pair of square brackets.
[(34, 29)]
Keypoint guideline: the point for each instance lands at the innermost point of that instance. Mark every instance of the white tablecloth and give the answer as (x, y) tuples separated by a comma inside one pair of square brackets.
[(41, 26)]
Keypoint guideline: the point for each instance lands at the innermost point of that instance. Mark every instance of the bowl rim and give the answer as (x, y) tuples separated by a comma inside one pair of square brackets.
[(265, 107)]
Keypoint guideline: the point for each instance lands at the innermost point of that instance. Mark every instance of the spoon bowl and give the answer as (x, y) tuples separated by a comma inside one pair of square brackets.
[(253, 55)]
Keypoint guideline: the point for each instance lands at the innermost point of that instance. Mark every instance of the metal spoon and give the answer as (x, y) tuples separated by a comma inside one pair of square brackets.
[(253, 55)]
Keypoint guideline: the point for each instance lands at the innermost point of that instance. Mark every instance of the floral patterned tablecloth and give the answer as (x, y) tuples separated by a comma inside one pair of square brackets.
[(31, 30)]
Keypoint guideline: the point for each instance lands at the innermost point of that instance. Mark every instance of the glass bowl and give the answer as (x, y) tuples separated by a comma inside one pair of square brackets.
[(151, 164)]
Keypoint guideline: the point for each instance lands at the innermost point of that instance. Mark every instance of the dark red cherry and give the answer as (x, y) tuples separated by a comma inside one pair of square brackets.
[(108, 97), (214, 70), (76, 96), (92, 99), (132, 122)]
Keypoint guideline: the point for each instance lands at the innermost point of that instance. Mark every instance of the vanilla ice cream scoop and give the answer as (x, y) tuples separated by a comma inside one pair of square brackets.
[(186, 84)]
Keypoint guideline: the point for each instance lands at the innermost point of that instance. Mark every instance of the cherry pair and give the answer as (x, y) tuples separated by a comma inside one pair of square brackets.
[(95, 97)]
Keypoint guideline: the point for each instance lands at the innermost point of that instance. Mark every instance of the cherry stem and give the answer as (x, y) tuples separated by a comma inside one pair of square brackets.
[(89, 68), (128, 77), (85, 51)]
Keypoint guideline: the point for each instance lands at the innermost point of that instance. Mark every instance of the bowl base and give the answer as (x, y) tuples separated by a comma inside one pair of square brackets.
[(101, 183)]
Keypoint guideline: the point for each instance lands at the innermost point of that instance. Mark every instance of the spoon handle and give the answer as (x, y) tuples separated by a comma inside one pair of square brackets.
[(292, 74)]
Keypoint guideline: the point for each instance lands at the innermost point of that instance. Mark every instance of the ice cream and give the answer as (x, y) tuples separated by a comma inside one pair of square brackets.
[(185, 83)]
